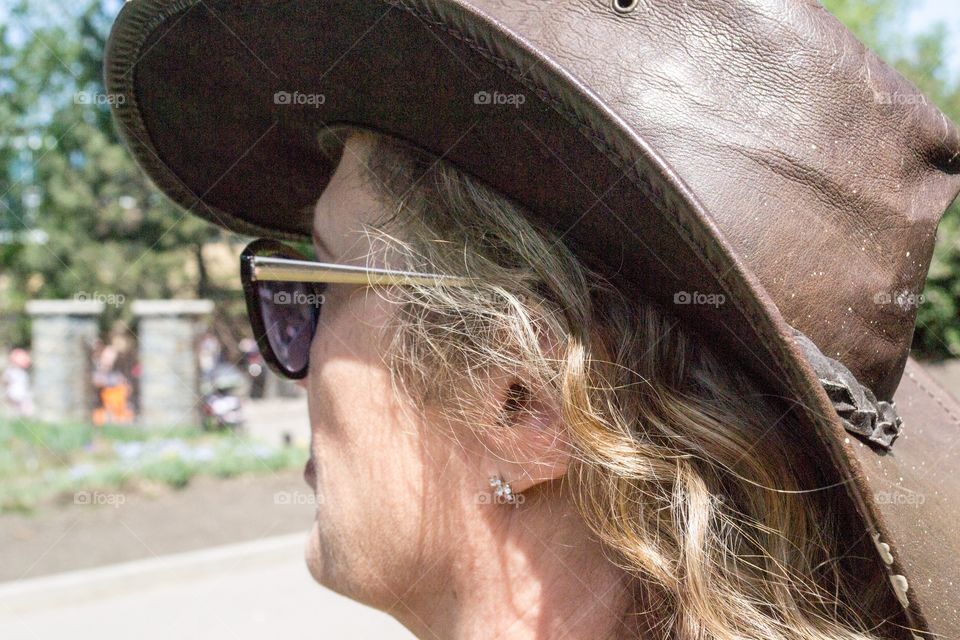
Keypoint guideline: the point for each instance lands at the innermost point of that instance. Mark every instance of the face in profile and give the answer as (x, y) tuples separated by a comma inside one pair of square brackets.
[(393, 490)]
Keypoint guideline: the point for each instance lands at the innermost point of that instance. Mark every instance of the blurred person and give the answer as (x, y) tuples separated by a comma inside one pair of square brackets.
[(104, 361), (208, 353), (114, 395), (255, 368), (589, 336), (112, 386), (17, 393), (220, 406)]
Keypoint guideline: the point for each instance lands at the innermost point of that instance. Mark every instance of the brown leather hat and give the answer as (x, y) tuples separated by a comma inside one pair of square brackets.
[(747, 161)]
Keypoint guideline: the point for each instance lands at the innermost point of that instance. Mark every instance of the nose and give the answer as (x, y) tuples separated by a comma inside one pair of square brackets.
[(302, 383)]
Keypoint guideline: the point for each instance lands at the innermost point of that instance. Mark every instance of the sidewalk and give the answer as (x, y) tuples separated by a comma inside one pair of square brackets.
[(251, 590)]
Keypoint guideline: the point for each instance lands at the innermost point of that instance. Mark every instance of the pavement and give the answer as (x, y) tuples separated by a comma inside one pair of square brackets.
[(210, 512), (250, 590), (153, 520), (221, 559)]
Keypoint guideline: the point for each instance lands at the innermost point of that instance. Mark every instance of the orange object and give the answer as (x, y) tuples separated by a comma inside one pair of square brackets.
[(116, 408)]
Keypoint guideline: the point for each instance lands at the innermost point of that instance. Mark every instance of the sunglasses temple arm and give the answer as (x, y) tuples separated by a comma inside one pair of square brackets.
[(350, 275)]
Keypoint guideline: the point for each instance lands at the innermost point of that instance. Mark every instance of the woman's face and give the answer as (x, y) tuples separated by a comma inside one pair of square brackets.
[(405, 520), (380, 471)]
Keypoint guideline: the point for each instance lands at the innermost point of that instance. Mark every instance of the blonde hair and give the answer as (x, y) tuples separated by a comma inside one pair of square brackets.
[(689, 475)]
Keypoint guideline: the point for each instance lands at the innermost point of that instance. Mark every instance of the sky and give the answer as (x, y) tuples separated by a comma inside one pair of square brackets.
[(929, 12)]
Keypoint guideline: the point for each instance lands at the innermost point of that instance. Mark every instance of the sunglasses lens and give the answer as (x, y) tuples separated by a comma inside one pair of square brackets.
[(290, 312)]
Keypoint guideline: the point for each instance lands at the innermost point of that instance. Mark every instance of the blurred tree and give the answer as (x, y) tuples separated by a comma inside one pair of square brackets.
[(77, 218), (875, 22), (921, 58)]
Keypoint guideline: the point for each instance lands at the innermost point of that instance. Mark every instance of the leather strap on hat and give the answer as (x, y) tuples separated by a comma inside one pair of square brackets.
[(859, 410)]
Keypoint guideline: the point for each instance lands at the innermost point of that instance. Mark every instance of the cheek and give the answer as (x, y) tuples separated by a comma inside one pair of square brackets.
[(349, 401), (358, 425), (347, 383), (373, 463)]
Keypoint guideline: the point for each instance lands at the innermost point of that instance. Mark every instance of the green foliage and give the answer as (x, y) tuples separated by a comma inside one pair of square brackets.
[(29, 445), (78, 217), (173, 472), (246, 459), (40, 461), (874, 22)]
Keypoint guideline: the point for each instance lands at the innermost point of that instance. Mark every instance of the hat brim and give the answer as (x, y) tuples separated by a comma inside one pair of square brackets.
[(221, 104), (914, 489)]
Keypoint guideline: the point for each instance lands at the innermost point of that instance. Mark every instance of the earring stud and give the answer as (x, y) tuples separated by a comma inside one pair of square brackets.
[(502, 490)]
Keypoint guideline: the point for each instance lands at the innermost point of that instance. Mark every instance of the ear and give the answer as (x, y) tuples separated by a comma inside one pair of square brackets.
[(528, 447)]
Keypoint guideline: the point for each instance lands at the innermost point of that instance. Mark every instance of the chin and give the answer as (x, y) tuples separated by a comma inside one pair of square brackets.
[(321, 563), (313, 554), (336, 573)]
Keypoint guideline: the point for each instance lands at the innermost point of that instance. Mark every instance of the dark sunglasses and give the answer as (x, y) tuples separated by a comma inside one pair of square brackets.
[(284, 292)]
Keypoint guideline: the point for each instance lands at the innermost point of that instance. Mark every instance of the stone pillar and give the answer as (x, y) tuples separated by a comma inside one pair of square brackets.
[(62, 333), (167, 332)]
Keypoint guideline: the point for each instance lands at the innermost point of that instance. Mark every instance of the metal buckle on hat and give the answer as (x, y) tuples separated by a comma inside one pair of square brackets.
[(856, 405)]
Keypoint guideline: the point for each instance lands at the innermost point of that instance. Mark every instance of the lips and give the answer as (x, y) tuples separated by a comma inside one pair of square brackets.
[(310, 472)]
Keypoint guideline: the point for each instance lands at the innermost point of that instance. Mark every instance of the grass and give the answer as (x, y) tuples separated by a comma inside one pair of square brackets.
[(42, 463)]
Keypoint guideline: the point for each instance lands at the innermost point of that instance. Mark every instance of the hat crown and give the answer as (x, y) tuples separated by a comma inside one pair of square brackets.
[(826, 169)]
